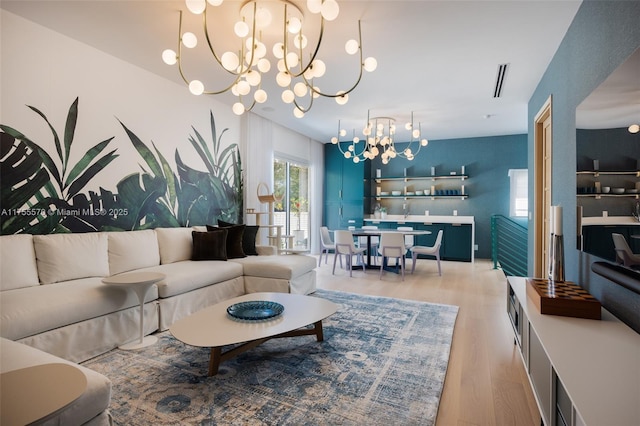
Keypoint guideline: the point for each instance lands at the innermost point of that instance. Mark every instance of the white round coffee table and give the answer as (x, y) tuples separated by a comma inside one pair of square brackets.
[(140, 282), (214, 328)]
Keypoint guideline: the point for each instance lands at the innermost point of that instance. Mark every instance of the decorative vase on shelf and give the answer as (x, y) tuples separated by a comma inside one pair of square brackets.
[(376, 211), (383, 213)]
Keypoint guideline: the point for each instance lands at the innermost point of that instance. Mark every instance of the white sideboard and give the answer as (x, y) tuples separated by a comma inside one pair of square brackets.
[(583, 372)]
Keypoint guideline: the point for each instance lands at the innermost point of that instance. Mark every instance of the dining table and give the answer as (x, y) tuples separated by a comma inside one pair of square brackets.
[(369, 233)]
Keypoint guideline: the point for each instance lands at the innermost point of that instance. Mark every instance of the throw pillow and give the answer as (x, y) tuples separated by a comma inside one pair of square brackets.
[(211, 245), (248, 237), (234, 240)]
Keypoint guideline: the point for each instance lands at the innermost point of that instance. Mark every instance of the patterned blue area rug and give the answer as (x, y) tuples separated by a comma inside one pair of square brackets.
[(383, 362)]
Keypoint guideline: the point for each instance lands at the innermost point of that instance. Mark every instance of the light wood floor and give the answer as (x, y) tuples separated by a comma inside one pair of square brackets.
[(486, 382)]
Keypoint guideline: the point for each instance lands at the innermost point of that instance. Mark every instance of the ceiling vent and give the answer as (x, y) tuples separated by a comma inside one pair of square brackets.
[(502, 74)]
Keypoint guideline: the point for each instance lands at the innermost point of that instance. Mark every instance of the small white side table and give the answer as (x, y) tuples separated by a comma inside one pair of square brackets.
[(140, 282), (39, 392)]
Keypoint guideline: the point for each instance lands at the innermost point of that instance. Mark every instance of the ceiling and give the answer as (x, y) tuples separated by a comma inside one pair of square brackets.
[(438, 59)]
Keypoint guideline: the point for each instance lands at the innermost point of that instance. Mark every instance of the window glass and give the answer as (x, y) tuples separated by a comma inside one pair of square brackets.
[(519, 202), (291, 179)]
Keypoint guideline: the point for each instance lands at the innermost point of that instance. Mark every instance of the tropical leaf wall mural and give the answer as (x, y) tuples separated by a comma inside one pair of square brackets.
[(44, 193)]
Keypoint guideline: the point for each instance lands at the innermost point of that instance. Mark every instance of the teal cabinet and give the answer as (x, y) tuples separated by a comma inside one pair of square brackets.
[(456, 238), (456, 242), (598, 240), (343, 190)]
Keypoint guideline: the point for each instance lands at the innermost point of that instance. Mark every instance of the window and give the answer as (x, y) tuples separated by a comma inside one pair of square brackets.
[(518, 194), (292, 179)]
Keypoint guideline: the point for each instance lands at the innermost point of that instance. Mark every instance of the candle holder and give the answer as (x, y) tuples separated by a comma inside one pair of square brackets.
[(556, 258)]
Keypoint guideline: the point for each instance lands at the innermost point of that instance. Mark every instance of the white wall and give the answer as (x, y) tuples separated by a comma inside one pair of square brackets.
[(48, 70)]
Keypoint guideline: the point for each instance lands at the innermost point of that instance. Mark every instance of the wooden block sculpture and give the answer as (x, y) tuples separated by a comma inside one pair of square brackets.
[(563, 298)]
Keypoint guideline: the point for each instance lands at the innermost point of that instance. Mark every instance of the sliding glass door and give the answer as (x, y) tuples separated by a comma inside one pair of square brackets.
[(291, 179)]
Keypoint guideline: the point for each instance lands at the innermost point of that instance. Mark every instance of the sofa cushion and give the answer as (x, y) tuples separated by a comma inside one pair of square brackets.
[(94, 400), (284, 267), (21, 310), (248, 237), (63, 257), (235, 235), (18, 262), (210, 245), (189, 275), (131, 250), (175, 244)]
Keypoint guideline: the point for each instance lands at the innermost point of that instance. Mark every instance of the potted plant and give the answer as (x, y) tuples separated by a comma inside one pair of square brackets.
[(383, 212)]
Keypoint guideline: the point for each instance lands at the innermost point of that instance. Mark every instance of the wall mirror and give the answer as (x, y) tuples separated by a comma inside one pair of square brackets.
[(608, 161)]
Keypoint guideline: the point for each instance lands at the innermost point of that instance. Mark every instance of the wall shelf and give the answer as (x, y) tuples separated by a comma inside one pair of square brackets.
[(420, 178), (408, 185), (599, 196), (420, 197), (597, 173)]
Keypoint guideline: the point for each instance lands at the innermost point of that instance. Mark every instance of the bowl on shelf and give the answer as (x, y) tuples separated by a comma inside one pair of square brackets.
[(606, 189), (427, 192), (411, 193), (396, 192), (632, 191), (617, 190), (419, 192), (384, 193)]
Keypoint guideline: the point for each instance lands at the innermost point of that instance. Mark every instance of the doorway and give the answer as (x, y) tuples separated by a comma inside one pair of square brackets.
[(543, 156)]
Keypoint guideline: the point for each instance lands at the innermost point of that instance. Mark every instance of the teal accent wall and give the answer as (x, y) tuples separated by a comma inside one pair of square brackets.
[(602, 36), (487, 161)]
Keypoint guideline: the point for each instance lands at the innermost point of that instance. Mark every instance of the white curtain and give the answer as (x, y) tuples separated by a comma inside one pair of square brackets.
[(261, 139)]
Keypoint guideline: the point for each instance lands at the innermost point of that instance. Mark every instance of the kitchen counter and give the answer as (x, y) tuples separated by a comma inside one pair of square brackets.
[(398, 218), (609, 220), (428, 220)]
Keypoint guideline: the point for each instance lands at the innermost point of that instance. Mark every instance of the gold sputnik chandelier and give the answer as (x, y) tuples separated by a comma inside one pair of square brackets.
[(298, 65), (379, 139)]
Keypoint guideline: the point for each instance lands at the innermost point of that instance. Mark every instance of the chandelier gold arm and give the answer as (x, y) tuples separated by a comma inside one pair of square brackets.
[(286, 42), (313, 90), (239, 73), (179, 58), (342, 93)]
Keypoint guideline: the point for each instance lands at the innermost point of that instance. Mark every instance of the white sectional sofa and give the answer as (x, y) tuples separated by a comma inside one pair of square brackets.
[(52, 298)]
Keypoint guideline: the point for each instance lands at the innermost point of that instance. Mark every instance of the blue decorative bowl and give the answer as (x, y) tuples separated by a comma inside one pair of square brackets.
[(257, 310)]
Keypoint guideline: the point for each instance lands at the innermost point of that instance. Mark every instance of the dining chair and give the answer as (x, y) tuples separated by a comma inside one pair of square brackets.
[(408, 239), (392, 246), (433, 250), (362, 241), (624, 255), (346, 247), (326, 244)]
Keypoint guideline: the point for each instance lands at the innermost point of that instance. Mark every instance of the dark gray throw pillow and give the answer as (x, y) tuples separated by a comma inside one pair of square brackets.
[(234, 240), (211, 245), (248, 237)]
